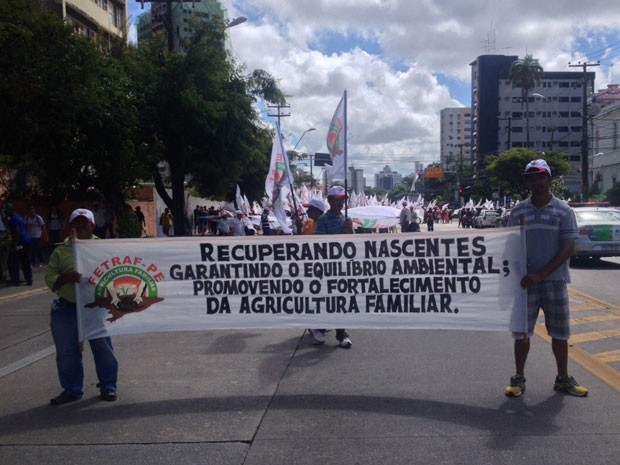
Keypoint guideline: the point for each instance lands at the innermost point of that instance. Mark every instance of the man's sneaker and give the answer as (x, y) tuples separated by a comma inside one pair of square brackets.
[(346, 343), (318, 335), (570, 386), (517, 386)]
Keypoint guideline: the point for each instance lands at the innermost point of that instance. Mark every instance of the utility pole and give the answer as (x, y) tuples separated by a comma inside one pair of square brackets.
[(585, 182), (279, 115)]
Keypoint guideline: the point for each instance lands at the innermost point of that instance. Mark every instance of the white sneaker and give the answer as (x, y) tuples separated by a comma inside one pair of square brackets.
[(346, 343), (318, 335)]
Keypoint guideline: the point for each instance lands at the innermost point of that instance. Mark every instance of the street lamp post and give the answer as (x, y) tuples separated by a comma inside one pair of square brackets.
[(307, 155), (236, 21), (302, 136)]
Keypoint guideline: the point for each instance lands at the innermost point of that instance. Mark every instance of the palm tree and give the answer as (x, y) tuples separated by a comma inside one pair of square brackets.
[(526, 74)]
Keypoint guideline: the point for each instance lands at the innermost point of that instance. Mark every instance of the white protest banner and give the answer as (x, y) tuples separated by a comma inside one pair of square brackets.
[(459, 280)]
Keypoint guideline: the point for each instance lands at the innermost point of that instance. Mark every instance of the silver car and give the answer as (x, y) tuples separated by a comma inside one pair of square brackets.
[(599, 233)]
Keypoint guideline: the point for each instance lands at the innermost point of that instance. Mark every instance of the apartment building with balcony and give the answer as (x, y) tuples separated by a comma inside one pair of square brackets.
[(102, 19)]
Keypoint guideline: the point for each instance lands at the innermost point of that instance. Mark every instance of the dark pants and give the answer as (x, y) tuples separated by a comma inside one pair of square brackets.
[(36, 254), (64, 327), (20, 258)]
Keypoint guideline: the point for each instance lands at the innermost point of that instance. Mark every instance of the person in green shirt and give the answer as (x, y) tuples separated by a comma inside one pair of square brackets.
[(61, 278)]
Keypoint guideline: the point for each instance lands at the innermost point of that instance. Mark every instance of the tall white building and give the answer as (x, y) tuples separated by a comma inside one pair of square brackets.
[(605, 166), (455, 150), (356, 180), (183, 14), (555, 119)]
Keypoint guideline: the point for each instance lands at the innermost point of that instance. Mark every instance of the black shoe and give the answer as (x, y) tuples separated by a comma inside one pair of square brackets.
[(108, 395), (63, 398), (28, 283)]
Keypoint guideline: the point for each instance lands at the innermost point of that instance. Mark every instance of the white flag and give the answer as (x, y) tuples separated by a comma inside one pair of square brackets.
[(278, 179)]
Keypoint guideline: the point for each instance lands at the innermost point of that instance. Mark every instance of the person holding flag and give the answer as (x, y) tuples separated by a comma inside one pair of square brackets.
[(279, 182), (334, 222)]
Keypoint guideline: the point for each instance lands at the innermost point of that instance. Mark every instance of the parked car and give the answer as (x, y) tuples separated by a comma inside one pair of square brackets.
[(486, 219), (599, 233)]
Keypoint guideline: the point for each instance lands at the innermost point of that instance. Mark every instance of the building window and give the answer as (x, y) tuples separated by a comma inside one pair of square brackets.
[(563, 84)]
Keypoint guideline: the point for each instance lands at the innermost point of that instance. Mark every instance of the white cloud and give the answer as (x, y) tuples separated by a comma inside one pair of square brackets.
[(392, 57)]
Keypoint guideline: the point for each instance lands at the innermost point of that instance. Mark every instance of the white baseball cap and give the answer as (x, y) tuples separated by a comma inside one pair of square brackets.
[(318, 203), (336, 191), (537, 166), (82, 212)]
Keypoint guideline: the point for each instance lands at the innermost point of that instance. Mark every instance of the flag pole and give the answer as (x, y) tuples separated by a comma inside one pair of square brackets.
[(346, 166), (289, 175)]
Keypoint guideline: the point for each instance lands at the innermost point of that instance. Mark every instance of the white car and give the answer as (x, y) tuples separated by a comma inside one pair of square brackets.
[(599, 233), (486, 219)]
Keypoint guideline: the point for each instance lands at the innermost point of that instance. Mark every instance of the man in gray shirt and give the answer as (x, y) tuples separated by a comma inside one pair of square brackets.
[(551, 229)]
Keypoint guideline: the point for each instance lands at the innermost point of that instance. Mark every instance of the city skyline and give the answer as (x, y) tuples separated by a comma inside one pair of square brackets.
[(401, 62)]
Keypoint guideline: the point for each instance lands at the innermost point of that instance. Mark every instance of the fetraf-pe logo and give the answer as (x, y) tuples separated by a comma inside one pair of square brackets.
[(125, 285)]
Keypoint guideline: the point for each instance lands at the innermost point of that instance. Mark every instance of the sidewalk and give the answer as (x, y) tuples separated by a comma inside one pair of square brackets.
[(271, 397)]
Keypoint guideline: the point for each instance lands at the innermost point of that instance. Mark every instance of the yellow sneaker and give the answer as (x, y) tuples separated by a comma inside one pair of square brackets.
[(570, 386), (517, 386)]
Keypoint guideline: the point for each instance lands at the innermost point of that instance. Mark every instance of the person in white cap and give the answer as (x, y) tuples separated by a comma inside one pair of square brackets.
[(550, 232), (61, 277), (315, 210), (333, 221)]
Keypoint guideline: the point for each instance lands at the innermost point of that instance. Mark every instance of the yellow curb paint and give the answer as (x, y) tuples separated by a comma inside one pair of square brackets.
[(574, 294), (594, 319), (608, 357), (24, 294), (594, 336), (594, 363)]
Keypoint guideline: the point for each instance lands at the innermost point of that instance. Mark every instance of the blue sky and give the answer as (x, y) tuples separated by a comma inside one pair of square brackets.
[(402, 61)]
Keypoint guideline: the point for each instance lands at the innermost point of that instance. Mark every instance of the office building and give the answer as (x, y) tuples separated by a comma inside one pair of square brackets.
[(486, 72), (605, 166), (388, 179), (455, 150), (500, 121)]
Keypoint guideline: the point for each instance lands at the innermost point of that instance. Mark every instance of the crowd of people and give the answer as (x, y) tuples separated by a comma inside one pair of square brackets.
[(24, 241)]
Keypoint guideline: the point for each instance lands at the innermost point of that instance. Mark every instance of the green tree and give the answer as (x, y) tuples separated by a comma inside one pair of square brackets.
[(526, 73), (613, 195), (504, 172), (67, 118), (198, 116)]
